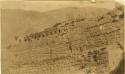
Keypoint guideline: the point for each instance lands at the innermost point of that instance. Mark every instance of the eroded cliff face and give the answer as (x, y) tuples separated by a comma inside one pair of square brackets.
[(78, 43)]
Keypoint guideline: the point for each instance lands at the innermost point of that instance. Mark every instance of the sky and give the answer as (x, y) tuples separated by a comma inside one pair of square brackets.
[(43, 6)]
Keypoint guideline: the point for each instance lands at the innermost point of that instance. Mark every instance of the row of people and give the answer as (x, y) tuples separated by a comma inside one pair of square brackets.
[(47, 32)]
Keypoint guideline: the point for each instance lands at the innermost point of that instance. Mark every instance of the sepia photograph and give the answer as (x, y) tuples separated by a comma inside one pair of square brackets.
[(62, 37)]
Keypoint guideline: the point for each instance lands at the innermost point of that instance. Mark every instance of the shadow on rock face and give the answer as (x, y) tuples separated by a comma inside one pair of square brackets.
[(120, 68)]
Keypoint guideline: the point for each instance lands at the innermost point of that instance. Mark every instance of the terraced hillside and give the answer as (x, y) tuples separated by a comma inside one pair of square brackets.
[(79, 44)]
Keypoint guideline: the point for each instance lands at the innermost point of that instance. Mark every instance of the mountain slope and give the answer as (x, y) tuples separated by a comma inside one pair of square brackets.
[(76, 23), (20, 22)]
